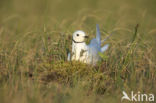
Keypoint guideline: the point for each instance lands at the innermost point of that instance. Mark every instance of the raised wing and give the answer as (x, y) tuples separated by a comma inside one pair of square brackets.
[(98, 35), (104, 48)]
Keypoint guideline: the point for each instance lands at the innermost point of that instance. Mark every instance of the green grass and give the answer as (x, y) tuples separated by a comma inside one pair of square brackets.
[(35, 36)]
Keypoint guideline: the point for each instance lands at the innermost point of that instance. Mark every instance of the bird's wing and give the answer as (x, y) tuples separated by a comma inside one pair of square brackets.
[(104, 48), (94, 45), (98, 35), (68, 57)]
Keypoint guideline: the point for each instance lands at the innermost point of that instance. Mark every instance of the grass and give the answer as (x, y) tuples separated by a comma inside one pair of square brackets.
[(35, 37)]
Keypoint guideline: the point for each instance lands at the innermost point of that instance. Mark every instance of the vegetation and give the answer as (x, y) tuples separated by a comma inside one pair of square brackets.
[(35, 37)]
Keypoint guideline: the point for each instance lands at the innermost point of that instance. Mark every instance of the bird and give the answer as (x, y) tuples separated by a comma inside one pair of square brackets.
[(82, 52)]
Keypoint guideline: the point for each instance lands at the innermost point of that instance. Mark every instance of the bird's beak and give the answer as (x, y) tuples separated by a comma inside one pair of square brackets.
[(86, 36)]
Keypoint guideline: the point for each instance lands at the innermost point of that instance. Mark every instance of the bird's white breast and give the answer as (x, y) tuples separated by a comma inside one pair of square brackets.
[(79, 51)]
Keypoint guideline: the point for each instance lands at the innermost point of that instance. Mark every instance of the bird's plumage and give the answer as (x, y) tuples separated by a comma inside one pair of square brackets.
[(87, 53), (98, 35)]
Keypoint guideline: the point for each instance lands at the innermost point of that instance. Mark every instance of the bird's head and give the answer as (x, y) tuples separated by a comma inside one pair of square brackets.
[(79, 36)]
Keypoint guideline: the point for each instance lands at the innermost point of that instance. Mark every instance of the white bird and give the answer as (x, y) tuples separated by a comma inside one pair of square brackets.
[(86, 53)]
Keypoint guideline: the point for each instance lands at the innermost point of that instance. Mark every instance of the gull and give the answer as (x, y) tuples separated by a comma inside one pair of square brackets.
[(86, 53)]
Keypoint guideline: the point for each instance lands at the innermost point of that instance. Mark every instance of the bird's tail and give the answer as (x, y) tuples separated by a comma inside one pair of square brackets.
[(98, 35), (104, 48)]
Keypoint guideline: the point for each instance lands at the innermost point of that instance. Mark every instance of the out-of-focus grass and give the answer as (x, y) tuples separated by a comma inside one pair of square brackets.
[(35, 37)]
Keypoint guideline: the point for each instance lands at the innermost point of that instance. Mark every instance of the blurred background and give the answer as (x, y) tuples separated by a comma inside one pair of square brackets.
[(65, 16)]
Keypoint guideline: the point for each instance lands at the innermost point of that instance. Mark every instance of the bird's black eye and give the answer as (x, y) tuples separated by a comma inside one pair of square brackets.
[(77, 34)]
